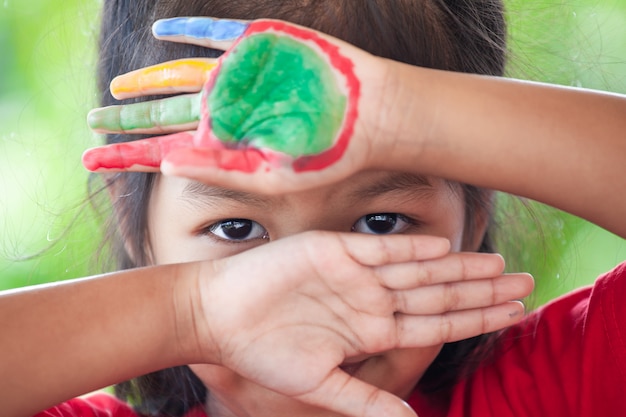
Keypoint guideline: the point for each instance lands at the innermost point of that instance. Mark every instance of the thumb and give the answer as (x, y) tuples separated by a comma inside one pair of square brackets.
[(350, 396), (196, 161), (233, 168)]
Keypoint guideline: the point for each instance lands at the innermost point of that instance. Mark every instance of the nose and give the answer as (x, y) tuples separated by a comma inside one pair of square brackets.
[(310, 213)]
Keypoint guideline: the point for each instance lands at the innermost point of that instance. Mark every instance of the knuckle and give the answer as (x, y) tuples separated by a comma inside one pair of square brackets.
[(464, 269), (494, 292), (399, 301), (452, 297), (384, 251), (485, 322), (446, 328)]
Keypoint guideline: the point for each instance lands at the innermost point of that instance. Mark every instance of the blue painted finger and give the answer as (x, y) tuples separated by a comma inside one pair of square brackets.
[(200, 28)]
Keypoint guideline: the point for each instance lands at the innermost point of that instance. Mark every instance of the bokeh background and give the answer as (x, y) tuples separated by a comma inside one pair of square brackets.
[(47, 55)]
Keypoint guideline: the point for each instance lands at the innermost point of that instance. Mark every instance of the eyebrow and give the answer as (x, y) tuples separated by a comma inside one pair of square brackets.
[(401, 182), (202, 195), (199, 194)]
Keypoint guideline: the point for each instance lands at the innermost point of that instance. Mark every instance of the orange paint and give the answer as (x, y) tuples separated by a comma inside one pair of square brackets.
[(183, 75)]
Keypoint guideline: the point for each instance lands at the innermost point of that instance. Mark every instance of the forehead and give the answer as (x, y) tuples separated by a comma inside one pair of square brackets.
[(179, 208), (359, 187)]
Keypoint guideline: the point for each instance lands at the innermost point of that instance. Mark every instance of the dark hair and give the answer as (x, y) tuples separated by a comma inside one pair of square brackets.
[(457, 35)]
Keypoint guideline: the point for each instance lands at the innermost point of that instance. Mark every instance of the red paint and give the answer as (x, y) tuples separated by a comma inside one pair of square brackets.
[(246, 160), (203, 136), (146, 152), (241, 159), (208, 149)]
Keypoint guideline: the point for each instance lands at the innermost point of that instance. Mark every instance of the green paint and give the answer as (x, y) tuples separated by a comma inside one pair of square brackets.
[(277, 93), (174, 111)]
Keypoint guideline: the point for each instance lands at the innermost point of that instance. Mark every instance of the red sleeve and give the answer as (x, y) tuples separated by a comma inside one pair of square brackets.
[(566, 359), (96, 405), (100, 405)]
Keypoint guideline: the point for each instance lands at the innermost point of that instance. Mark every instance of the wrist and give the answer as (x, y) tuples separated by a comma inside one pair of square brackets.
[(402, 119), (192, 331)]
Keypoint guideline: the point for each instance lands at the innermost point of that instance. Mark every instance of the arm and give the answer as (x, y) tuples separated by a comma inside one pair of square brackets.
[(66, 339), (561, 146), (69, 338)]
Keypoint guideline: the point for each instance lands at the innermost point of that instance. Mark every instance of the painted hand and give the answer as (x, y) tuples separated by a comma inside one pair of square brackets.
[(340, 298), (282, 99)]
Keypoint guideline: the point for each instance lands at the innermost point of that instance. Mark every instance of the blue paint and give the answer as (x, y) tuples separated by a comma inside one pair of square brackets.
[(200, 28)]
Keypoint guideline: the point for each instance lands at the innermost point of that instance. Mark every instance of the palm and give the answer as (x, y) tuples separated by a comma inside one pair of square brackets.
[(284, 99), (340, 311), (303, 315), (339, 296)]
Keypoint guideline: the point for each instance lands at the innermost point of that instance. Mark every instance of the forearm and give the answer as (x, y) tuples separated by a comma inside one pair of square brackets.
[(66, 339), (561, 146)]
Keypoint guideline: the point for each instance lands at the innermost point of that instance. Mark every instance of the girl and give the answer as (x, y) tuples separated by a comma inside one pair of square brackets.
[(364, 337), (361, 191)]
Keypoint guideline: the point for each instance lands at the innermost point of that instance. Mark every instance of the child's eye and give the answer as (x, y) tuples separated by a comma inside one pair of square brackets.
[(238, 229), (382, 223)]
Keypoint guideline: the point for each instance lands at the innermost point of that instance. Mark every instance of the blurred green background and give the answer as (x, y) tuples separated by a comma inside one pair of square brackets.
[(47, 55)]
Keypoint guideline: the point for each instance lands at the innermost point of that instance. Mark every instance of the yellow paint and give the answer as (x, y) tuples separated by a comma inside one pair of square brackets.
[(181, 75)]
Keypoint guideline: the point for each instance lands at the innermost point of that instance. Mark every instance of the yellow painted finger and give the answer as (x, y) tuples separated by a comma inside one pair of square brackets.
[(180, 76)]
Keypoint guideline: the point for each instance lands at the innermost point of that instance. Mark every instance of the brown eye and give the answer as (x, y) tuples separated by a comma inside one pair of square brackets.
[(238, 229), (381, 223)]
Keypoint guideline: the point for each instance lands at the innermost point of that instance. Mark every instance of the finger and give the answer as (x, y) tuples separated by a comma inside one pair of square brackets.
[(141, 155), (202, 163), (180, 76), (381, 250), (232, 168), (157, 116), (422, 331), (202, 31), (352, 397), (454, 267), (274, 173), (464, 295)]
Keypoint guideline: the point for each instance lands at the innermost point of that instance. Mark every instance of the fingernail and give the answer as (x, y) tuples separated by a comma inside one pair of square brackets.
[(200, 28), (122, 85), (518, 312), (91, 161), (104, 119)]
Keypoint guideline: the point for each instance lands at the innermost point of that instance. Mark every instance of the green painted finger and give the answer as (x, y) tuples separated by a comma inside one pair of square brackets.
[(157, 116)]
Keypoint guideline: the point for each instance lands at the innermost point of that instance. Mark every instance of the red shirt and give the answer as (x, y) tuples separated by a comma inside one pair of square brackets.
[(568, 358), (99, 405)]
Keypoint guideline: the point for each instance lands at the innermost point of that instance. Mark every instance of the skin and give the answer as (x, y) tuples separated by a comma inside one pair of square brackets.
[(531, 142), (305, 121), (557, 145), (180, 212), (405, 289), (455, 130)]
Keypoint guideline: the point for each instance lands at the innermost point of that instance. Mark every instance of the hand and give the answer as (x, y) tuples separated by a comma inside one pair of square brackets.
[(345, 295), (282, 99)]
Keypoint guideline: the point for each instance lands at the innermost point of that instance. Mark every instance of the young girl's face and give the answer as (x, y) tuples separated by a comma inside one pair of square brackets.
[(189, 221)]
